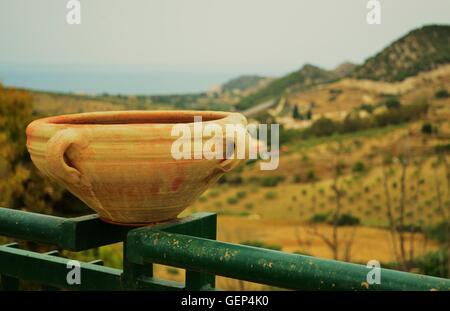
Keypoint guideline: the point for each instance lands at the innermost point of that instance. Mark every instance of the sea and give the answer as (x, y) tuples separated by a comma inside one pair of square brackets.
[(113, 81)]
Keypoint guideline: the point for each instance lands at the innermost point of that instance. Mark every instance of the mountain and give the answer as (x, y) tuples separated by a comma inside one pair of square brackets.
[(242, 83), (420, 50), (307, 76), (345, 69)]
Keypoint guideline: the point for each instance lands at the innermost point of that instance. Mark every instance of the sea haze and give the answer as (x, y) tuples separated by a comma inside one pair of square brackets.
[(92, 80)]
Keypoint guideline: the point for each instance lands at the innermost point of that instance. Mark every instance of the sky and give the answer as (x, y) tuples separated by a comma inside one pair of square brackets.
[(268, 37)]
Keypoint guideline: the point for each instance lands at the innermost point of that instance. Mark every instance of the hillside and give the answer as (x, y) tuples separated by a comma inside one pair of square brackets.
[(242, 83), (348, 95), (422, 49), (307, 76)]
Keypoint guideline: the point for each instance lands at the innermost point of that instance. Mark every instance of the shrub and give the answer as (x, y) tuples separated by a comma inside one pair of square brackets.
[(308, 114), (358, 167), (296, 114), (243, 213), (248, 205), (441, 93), (402, 114), (438, 232), (271, 195), (231, 179), (443, 148), (347, 219), (297, 179), (214, 193), (319, 218), (232, 200), (427, 128), (254, 180), (254, 189), (366, 107), (353, 123), (311, 175), (335, 91), (392, 103), (324, 127), (433, 263), (241, 194), (271, 181)]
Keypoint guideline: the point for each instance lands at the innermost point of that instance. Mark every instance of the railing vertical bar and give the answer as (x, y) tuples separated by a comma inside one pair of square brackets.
[(206, 228), (132, 272), (8, 283), (49, 287)]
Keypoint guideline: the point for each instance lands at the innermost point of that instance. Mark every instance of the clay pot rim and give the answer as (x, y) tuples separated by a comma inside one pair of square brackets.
[(135, 117)]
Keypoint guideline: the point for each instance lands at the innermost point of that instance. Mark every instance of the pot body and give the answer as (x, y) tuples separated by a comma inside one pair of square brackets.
[(121, 163)]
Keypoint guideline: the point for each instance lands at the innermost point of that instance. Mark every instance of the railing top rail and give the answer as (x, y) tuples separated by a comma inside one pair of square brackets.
[(266, 266), (187, 243)]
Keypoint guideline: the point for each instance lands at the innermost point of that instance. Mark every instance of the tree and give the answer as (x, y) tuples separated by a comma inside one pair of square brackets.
[(427, 128), (358, 167), (353, 122), (324, 127), (441, 93), (311, 177), (443, 208), (336, 216), (392, 103), (21, 185), (399, 225), (296, 114), (308, 115)]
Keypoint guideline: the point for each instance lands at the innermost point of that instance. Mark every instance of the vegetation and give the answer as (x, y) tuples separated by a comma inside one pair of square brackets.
[(441, 93), (271, 181), (397, 114), (420, 50), (307, 76), (21, 185), (242, 83)]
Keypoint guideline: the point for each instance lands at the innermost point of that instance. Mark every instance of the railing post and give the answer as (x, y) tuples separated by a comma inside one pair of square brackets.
[(203, 225), (8, 283), (200, 280), (133, 272), (47, 287)]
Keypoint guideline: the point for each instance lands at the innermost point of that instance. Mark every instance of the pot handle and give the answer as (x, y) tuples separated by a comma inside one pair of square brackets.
[(226, 164), (56, 157)]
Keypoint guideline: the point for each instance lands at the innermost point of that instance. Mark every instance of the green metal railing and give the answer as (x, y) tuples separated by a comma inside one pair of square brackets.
[(188, 243)]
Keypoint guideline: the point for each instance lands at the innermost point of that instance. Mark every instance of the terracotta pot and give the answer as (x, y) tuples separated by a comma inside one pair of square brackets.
[(120, 163)]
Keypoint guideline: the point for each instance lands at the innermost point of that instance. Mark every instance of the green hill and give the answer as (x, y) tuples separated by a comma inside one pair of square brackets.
[(420, 50), (242, 83), (307, 76)]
